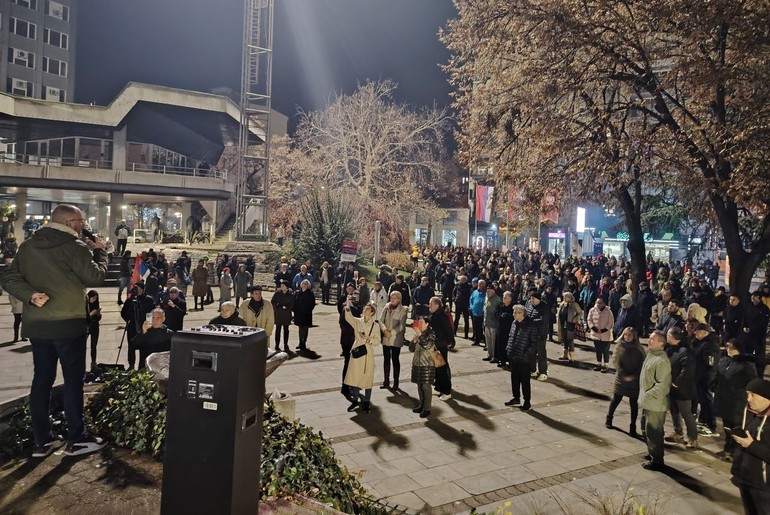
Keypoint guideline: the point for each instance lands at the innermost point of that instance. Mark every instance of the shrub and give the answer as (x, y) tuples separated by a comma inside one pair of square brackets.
[(399, 260), (130, 412)]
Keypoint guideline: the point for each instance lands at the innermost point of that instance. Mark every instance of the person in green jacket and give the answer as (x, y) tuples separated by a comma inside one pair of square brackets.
[(49, 275), (654, 389)]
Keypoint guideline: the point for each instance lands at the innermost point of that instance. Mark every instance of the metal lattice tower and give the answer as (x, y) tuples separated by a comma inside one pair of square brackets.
[(253, 155)]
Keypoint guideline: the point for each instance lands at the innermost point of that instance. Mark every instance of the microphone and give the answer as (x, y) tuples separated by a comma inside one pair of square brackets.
[(88, 234)]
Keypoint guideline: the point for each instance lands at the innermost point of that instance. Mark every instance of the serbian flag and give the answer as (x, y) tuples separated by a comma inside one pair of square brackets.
[(484, 203), (141, 270)]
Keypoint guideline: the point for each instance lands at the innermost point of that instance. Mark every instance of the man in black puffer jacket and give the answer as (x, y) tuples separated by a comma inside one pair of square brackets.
[(521, 351), (752, 459)]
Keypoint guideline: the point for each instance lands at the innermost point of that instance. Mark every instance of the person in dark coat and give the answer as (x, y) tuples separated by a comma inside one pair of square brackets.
[(154, 337), (504, 329), (705, 350), (134, 312), (682, 387), (94, 317), (755, 330), (445, 341), (752, 457), (645, 299), (718, 307), (175, 309), (734, 372), (400, 286), (228, 315), (521, 351), (628, 316), (304, 304), (283, 305), (627, 359), (423, 369), (673, 317), (462, 299), (734, 316), (447, 286)]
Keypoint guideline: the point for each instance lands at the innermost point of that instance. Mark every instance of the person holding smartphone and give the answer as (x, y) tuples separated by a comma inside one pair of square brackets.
[(154, 337), (752, 458)]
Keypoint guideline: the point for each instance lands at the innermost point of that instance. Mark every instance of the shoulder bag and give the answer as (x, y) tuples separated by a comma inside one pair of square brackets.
[(361, 351)]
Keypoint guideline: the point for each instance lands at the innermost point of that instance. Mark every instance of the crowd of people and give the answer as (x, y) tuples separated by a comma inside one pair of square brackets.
[(704, 357)]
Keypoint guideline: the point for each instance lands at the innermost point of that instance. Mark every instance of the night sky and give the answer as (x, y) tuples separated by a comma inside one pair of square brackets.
[(320, 47)]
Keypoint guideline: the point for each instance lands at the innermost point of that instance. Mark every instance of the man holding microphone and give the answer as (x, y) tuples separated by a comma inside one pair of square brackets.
[(50, 274)]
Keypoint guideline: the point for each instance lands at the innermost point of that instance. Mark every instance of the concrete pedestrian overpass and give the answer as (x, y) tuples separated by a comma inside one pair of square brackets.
[(150, 144)]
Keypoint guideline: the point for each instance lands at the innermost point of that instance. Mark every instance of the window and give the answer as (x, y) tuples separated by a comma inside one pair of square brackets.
[(55, 38), (57, 10), (20, 87), (22, 28), (55, 94), (29, 4), (54, 66), (21, 57)]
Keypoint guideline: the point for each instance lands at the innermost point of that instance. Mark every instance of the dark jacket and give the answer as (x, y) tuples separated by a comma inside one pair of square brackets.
[(627, 360), (645, 301), (522, 342), (304, 304), (734, 321), (670, 320), (462, 295), (682, 371), (134, 313), (733, 374), (540, 316), (445, 336), (750, 465), (627, 318), (174, 315), (57, 263), (233, 320), (706, 355), (283, 304), (403, 289)]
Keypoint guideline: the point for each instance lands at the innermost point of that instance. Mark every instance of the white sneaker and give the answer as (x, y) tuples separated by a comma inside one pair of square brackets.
[(86, 446), (533, 375), (542, 377), (445, 397)]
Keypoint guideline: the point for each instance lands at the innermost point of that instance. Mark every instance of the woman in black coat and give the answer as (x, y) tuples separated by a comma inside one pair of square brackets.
[(506, 320), (304, 304), (734, 372), (682, 387), (627, 360)]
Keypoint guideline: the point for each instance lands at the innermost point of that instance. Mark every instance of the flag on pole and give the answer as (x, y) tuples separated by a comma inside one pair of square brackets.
[(484, 203), (141, 270), (512, 204), (550, 207)]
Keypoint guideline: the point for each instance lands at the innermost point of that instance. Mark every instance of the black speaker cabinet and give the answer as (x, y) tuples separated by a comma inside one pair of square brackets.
[(214, 421)]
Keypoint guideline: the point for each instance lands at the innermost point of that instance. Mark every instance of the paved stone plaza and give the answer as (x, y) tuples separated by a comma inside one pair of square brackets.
[(473, 451)]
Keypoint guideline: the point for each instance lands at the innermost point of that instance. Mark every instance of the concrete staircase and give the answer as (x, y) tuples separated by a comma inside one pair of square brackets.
[(223, 233)]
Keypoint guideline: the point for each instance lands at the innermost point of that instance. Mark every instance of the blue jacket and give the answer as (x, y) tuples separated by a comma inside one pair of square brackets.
[(477, 303)]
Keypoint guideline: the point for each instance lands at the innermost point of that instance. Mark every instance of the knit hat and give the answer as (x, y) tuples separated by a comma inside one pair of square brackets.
[(760, 387), (628, 298)]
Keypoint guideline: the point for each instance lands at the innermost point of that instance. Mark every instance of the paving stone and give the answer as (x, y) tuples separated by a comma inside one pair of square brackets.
[(441, 494)]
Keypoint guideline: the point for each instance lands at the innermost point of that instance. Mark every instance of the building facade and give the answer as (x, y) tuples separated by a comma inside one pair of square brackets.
[(37, 49)]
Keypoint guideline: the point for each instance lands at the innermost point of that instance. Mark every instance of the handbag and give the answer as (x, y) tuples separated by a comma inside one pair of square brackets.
[(361, 351), (580, 332), (438, 358)]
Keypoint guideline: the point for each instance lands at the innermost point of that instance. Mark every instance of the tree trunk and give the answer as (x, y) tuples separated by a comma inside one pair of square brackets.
[(632, 218)]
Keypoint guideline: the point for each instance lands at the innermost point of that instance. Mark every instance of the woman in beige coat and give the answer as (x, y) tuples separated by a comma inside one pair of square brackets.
[(600, 323), (393, 320), (360, 375)]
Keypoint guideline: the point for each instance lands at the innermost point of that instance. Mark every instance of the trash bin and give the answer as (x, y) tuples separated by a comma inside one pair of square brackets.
[(214, 421)]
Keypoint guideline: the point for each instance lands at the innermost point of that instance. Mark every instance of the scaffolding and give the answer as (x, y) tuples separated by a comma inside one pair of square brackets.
[(254, 138)]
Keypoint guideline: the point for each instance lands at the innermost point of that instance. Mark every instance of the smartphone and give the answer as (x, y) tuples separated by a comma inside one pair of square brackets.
[(148, 317), (737, 431)]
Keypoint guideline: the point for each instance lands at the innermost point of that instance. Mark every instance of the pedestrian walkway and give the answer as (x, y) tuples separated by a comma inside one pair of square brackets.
[(473, 451)]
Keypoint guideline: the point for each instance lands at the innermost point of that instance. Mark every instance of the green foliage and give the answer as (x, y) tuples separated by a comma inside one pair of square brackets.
[(16, 438), (326, 221), (131, 412), (297, 460)]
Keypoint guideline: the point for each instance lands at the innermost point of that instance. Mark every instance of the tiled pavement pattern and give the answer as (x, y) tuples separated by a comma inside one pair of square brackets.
[(473, 452)]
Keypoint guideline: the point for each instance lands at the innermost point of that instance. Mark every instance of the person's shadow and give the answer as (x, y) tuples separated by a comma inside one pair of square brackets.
[(373, 424), (462, 440)]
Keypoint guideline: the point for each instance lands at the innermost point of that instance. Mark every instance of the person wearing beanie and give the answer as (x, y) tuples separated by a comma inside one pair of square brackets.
[(752, 456), (734, 372)]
